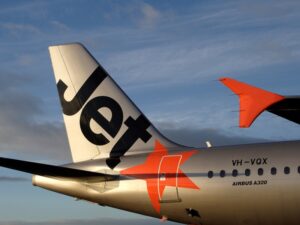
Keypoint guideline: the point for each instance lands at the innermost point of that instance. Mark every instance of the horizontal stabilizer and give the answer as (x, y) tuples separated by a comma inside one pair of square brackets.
[(288, 108), (253, 100), (53, 171)]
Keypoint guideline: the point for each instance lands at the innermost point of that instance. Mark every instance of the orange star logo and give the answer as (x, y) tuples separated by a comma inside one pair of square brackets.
[(161, 170)]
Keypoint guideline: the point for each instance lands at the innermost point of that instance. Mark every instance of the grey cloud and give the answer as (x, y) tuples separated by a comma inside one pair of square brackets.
[(18, 28), (26, 60), (24, 7), (61, 27), (21, 130), (198, 137), (202, 59), (151, 16), (12, 179), (270, 9), (223, 44), (12, 82)]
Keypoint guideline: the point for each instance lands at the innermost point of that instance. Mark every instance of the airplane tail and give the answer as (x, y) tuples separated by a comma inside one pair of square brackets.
[(253, 101), (101, 121)]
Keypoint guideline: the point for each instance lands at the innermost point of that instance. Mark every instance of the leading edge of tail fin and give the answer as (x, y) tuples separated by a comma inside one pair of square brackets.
[(101, 121)]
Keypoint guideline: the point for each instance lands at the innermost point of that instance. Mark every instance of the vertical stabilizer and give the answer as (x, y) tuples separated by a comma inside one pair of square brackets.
[(101, 121)]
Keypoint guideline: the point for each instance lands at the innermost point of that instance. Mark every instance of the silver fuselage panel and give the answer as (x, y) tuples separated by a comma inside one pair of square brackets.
[(261, 198)]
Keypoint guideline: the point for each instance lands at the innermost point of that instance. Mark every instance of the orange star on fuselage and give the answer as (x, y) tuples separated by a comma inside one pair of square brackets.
[(159, 163)]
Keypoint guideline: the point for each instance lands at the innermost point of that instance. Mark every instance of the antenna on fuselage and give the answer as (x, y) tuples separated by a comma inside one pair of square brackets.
[(208, 144)]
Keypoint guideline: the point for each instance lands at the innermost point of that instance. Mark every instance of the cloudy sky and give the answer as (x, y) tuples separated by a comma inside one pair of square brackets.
[(167, 55)]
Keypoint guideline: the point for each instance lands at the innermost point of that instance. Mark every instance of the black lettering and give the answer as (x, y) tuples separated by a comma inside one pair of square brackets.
[(91, 111), (137, 129), (252, 161), (237, 162), (90, 85), (258, 161), (265, 161), (260, 182), (242, 183), (265, 182)]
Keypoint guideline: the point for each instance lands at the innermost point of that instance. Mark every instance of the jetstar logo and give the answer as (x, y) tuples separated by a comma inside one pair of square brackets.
[(137, 128), (152, 169)]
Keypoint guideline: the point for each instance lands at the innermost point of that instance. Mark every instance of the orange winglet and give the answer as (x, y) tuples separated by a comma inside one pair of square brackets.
[(253, 100)]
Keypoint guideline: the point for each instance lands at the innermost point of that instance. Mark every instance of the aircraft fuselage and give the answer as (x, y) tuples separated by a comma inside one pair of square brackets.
[(253, 184)]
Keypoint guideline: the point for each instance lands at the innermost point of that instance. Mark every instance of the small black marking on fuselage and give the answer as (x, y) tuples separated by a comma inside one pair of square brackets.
[(192, 212)]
